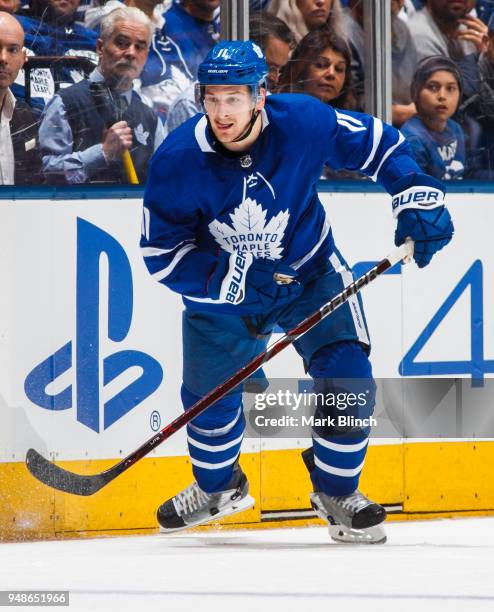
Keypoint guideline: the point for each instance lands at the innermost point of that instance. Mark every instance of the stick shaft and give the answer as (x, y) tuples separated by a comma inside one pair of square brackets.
[(253, 365), (69, 482)]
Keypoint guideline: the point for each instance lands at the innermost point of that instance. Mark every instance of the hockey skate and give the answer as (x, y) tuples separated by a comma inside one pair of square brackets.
[(193, 506), (352, 518)]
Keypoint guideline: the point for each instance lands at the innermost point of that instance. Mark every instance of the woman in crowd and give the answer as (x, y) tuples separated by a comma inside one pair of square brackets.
[(303, 16), (320, 67)]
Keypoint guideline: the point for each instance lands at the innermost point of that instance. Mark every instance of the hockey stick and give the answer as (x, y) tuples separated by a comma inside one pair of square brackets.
[(58, 478)]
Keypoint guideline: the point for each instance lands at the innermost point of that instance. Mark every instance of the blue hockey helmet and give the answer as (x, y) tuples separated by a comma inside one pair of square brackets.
[(234, 62)]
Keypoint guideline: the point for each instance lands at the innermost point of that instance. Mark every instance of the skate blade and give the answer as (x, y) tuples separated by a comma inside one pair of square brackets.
[(347, 535), (244, 504)]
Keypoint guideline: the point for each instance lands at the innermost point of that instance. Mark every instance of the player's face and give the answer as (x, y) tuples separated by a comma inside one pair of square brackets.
[(64, 8), (124, 53), (229, 108), (451, 10), (277, 54), (439, 97), (12, 54), (326, 76), (315, 12)]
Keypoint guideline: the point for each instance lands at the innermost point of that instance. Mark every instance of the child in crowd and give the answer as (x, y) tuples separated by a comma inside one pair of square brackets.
[(437, 142)]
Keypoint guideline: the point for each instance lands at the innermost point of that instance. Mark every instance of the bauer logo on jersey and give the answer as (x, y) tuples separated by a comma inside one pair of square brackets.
[(251, 232)]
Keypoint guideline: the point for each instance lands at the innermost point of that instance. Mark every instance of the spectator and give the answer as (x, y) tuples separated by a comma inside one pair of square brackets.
[(76, 145), (54, 33), (9, 6), (353, 30), (275, 39), (485, 10), (480, 107), (194, 25), (448, 28), (436, 140), (320, 67), (404, 60), (19, 156), (303, 16), (404, 57), (165, 75)]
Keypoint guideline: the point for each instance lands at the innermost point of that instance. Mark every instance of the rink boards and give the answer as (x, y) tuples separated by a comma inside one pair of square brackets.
[(90, 348)]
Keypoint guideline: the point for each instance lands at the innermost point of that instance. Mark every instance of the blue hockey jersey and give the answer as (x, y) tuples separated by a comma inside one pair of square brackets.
[(49, 38), (194, 37), (263, 201), (165, 75), (440, 154)]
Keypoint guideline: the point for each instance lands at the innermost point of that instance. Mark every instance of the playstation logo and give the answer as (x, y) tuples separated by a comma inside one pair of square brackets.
[(92, 371)]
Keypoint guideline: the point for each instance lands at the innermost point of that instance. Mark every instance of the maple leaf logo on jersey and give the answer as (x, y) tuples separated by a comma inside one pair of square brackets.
[(141, 135), (249, 231)]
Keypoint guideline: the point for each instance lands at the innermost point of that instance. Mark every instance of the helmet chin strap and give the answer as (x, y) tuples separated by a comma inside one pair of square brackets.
[(246, 133)]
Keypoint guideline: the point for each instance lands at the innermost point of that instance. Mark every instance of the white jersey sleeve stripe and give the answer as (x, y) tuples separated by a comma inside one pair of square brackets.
[(331, 469), (351, 126), (387, 154), (378, 132), (154, 251), (161, 274), (349, 118)]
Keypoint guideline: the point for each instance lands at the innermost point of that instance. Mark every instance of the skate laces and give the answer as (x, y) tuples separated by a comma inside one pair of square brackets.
[(353, 502), (190, 499)]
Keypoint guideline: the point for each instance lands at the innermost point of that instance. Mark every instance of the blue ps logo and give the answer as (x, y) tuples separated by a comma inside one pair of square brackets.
[(84, 354)]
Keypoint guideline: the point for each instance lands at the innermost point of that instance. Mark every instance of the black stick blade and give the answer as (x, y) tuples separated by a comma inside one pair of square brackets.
[(56, 477)]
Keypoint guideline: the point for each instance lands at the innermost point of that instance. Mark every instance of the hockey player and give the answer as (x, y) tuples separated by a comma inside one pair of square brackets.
[(232, 221)]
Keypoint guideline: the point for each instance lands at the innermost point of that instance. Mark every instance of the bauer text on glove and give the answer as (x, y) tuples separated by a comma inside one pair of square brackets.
[(239, 278), (423, 217)]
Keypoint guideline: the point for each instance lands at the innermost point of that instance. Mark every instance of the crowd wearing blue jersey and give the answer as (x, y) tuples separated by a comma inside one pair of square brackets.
[(185, 30)]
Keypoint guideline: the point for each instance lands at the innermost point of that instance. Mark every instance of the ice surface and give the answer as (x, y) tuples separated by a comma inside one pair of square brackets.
[(425, 566)]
